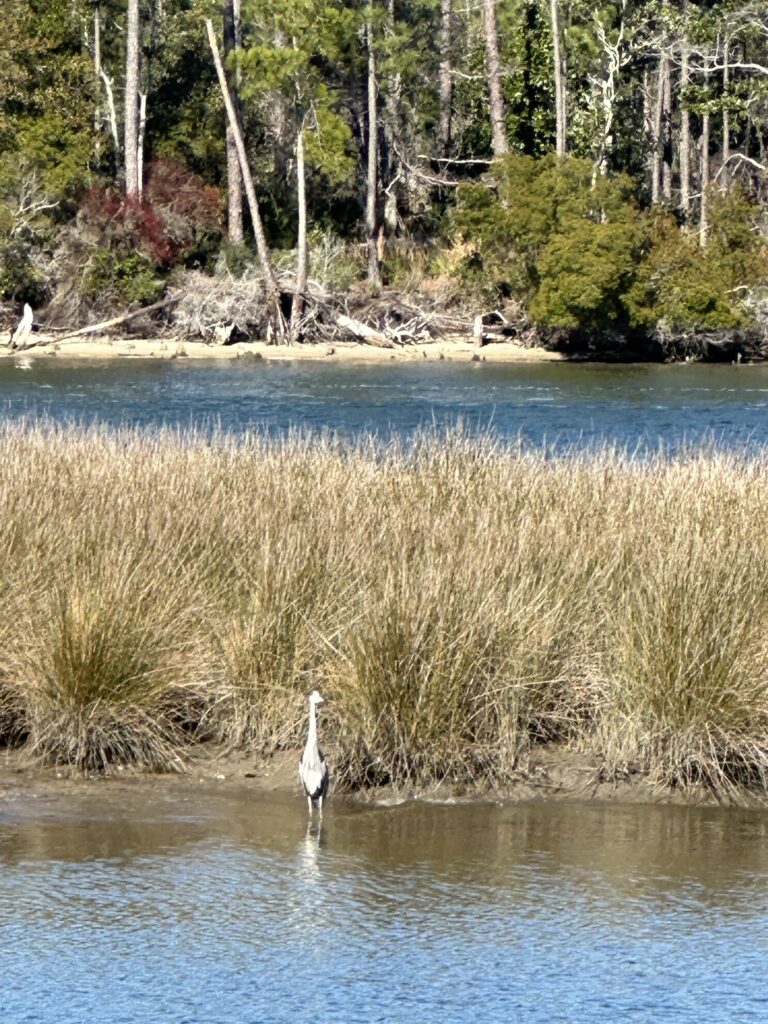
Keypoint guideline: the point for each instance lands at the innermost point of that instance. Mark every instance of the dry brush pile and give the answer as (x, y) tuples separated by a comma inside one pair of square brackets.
[(457, 601)]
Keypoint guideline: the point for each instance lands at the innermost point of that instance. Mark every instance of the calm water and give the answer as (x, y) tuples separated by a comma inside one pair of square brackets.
[(191, 906), (568, 404)]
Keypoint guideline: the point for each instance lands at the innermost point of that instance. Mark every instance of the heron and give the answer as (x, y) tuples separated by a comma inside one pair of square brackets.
[(23, 329), (313, 770)]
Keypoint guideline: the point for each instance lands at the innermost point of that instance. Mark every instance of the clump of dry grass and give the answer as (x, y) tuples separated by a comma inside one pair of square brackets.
[(457, 601), (684, 691)]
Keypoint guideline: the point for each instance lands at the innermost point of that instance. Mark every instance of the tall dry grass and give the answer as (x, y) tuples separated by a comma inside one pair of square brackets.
[(456, 600)]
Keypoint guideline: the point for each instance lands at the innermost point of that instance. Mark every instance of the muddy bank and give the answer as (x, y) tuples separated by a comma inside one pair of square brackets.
[(552, 772)]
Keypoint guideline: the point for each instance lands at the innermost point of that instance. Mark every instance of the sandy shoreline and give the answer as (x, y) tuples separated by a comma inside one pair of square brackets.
[(342, 351)]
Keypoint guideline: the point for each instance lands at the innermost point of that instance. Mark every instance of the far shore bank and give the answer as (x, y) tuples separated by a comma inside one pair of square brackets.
[(448, 349), (550, 345)]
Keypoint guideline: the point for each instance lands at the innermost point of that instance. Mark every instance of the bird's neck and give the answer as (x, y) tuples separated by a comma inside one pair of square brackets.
[(312, 724)]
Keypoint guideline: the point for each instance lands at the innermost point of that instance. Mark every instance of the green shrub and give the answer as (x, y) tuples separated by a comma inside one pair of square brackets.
[(687, 286), (21, 279), (556, 236), (118, 277)]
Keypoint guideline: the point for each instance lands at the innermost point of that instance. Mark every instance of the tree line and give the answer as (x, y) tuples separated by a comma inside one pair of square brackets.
[(141, 135)]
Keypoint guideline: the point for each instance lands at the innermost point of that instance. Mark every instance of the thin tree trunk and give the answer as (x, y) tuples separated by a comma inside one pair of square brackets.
[(97, 69), (302, 254), (726, 176), (130, 118), (648, 124), (111, 109), (445, 80), (685, 132), (498, 114), (265, 257), (666, 170), (231, 18), (557, 68), (140, 143), (704, 208), (658, 142), (371, 199), (394, 132), (704, 177)]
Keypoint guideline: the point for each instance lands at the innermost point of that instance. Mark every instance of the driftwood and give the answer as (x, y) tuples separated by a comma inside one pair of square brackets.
[(364, 333), (105, 325)]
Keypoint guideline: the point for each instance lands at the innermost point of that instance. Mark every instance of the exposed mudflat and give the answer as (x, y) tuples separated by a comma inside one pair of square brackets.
[(553, 772)]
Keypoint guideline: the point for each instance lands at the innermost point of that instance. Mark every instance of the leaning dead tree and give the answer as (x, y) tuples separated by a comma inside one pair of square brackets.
[(265, 257)]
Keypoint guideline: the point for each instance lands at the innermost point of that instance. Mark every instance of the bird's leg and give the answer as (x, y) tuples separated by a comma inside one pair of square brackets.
[(309, 804), (320, 805)]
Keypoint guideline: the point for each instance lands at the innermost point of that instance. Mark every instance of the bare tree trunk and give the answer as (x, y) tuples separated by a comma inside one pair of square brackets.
[(608, 86), (97, 69), (726, 115), (230, 10), (302, 254), (445, 79), (140, 143), (658, 144), (704, 177), (704, 208), (685, 131), (265, 257), (371, 199), (111, 109), (498, 114), (557, 68), (130, 118), (666, 170), (393, 132)]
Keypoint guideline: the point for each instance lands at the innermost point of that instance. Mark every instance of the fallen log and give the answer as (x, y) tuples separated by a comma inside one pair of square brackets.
[(364, 333), (105, 325)]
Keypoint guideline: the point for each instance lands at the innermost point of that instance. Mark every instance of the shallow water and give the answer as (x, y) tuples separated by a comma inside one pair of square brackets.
[(558, 403), (175, 905)]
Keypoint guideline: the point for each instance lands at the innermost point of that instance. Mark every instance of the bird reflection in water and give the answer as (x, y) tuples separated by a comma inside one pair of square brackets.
[(308, 853)]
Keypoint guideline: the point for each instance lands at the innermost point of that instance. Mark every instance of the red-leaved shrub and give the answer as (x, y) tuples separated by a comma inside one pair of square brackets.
[(177, 215)]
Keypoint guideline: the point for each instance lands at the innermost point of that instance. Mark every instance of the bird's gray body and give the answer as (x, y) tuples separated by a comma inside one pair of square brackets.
[(313, 769)]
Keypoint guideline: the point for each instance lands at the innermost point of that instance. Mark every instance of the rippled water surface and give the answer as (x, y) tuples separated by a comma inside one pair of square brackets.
[(556, 402), (174, 905)]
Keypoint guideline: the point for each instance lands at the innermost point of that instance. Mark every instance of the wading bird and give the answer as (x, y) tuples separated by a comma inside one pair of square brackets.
[(21, 334), (313, 770)]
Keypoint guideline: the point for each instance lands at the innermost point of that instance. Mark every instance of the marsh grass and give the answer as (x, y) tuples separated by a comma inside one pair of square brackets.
[(457, 601)]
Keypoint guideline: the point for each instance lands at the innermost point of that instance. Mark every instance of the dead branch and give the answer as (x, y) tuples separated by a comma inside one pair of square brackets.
[(106, 325)]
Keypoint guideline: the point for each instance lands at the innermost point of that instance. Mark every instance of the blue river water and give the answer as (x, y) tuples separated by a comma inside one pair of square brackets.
[(554, 403), (191, 906)]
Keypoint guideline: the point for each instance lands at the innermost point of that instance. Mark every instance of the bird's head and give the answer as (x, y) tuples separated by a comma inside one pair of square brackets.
[(315, 698)]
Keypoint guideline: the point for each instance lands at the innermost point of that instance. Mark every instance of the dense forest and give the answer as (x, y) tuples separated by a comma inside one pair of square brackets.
[(574, 166)]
